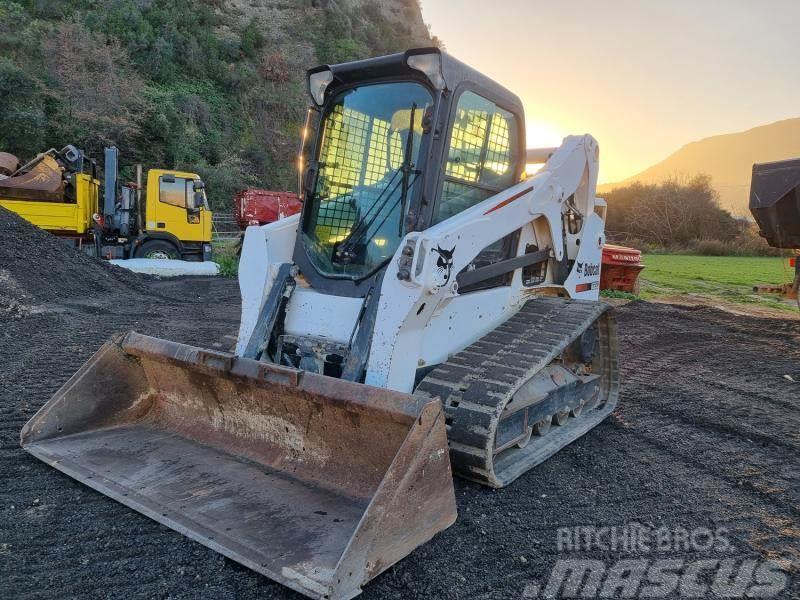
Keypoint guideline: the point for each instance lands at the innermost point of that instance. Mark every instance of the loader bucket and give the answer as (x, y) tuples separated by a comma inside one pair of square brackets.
[(43, 181), (315, 482), (8, 163)]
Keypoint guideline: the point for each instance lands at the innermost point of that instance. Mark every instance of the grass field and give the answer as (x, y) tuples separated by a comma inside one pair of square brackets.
[(730, 278)]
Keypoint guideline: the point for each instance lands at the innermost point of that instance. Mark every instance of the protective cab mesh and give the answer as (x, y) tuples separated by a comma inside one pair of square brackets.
[(355, 154)]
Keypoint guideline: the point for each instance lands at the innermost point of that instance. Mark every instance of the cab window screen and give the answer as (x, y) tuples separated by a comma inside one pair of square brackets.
[(502, 249), (359, 150), (468, 139), (355, 217), (497, 168), (173, 192), (482, 157)]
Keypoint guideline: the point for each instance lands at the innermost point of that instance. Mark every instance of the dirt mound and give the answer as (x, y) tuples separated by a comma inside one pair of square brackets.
[(37, 267)]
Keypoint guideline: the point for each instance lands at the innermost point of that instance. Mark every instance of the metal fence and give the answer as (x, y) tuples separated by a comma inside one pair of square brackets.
[(224, 228)]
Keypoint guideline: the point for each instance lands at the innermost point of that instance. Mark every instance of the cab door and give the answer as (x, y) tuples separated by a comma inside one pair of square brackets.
[(176, 213)]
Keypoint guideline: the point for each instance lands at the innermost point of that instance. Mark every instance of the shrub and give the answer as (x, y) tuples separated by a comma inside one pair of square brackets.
[(274, 68), (225, 255), (749, 243), (22, 118), (711, 248), (671, 214), (228, 265), (91, 82), (224, 179), (252, 38)]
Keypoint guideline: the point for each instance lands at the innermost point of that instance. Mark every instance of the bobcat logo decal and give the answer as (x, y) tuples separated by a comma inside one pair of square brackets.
[(444, 264), (587, 269)]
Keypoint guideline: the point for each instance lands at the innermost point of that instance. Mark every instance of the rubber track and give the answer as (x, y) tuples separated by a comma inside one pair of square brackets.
[(476, 384)]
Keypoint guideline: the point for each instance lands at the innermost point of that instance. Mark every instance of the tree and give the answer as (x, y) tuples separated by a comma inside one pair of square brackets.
[(22, 118), (96, 95), (252, 38)]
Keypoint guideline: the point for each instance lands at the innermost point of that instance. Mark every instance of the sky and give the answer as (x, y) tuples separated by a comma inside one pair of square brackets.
[(644, 77)]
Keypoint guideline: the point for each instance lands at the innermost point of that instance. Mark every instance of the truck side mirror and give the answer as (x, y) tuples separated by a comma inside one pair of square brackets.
[(198, 200)]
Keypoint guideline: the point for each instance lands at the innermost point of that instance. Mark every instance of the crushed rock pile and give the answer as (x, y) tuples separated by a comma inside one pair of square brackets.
[(36, 267)]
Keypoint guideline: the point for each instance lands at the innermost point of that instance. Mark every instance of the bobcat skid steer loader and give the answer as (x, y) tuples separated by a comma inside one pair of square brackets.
[(432, 309)]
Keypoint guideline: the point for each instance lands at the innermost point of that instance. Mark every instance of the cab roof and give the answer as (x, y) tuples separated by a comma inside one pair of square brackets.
[(454, 73)]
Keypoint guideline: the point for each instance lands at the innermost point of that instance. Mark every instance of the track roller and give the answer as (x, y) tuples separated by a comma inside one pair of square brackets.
[(535, 384)]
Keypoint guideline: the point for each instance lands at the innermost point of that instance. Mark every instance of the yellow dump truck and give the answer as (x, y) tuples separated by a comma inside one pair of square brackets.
[(59, 191)]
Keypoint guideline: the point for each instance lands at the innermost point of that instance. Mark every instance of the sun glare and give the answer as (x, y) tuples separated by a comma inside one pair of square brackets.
[(542, 134)]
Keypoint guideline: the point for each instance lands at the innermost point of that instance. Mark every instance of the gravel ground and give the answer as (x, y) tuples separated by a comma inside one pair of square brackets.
[(706, 435)]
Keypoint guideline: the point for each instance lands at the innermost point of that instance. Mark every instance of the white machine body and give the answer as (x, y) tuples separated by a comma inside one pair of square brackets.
[(423, 320)]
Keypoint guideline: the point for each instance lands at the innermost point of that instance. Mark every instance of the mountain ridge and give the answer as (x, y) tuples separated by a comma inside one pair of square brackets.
[(727, 158)]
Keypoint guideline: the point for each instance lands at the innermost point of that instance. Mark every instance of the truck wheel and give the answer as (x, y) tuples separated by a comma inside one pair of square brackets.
[(158, 249)]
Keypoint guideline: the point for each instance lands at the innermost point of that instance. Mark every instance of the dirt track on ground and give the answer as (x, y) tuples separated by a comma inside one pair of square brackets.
[(707, 434)]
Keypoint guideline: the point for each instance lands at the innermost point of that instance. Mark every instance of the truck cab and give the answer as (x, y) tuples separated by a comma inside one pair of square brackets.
[(177, 219)]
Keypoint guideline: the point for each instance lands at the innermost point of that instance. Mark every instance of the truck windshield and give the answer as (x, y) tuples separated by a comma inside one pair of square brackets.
[(367, 167)]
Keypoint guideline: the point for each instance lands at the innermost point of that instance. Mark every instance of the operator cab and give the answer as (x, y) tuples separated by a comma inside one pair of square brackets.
[(392, 145)]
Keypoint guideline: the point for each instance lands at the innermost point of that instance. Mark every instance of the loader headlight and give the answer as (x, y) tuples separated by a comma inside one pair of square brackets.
[(429, 63), (317, 84)]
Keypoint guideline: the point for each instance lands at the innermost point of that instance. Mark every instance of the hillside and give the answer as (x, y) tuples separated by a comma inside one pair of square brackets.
[(215, 86), (728, 159)]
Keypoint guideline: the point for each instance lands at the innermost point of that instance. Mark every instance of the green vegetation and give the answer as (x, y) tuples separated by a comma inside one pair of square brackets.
[(226, 256), (680, 215), (228, 265), (618, 295), (724, 277), (209, 86)]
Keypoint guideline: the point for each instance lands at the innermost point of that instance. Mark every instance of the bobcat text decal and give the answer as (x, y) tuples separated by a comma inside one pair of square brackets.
[(587, 269)]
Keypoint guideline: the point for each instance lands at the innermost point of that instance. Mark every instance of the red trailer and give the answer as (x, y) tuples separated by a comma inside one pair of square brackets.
[(259, 207), (621, 268)]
